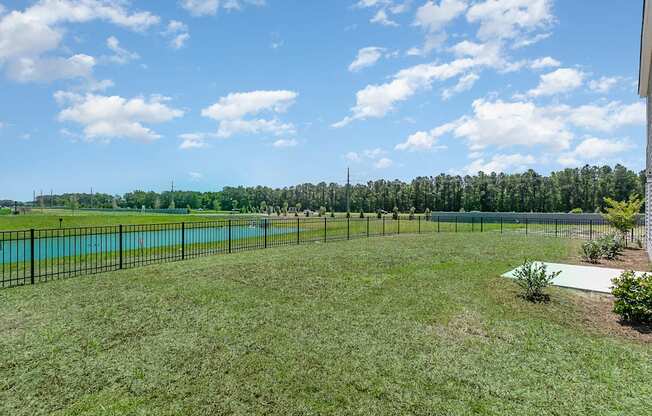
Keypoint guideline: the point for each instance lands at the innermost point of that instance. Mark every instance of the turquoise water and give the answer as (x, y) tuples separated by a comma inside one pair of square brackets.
[(48, 248)]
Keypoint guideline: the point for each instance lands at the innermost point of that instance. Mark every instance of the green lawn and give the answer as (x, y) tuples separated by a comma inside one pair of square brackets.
[(397, 325)]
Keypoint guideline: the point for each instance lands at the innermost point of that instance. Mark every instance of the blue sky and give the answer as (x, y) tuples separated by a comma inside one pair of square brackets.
[(131, 95)]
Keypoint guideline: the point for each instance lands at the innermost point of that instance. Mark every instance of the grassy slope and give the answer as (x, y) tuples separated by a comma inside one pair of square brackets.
[(395, 325)]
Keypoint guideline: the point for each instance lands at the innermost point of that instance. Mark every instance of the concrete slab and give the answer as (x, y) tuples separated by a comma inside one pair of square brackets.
[(591, 278)]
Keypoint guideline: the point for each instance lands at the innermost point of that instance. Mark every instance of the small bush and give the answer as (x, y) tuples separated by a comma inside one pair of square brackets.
[(533, 279), (576, 211), (427, 214), (361, 214), (610, 246), (591, 251), (379, 214), (322, 211), (633, 297), (395, 213), (412, 210)]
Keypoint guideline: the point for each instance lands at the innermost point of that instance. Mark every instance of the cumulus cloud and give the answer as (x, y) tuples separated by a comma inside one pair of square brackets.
[(510, 19), (605, 118), (383, 163), (366, 57), (434, 17), (210, 7), (557, 82), (465, 83), (120, 54), (593, 149), (178, 34), (108, 117), (545, 62), (604, 84), (282, 143), (426, 140), (501, 163), (25, 36), (232, 112)]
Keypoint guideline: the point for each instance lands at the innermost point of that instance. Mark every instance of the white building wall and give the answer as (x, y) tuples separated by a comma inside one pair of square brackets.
[(648, 185)]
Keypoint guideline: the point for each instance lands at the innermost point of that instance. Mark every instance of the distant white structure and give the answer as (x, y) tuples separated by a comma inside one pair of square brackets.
[(645, 91)]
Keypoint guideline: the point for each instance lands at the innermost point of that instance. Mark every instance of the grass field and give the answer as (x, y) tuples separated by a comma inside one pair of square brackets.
[(399, 325)]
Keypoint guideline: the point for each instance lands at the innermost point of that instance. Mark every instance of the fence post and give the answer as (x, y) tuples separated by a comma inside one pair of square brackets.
[(419, 221), (31, 255), (229, 236), (348, 228), (265, 226), (120, 245), (526, 226), (481, 224), (298, 236), (398, 225), (590, 229), (472, 224), (438, 229), (324, 229), (383, 225), (455, 224), (367, 227), (556, 227), (183, 240)]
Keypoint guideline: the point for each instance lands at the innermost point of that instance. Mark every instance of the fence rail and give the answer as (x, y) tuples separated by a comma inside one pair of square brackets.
[(33, 256)]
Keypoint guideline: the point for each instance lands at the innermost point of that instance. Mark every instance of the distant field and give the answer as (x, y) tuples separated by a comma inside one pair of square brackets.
[(400, 325)]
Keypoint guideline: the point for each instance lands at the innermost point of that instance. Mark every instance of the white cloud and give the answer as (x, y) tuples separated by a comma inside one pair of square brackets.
[(178, 33), (228, 128), (210, 7), (194, 140), (557, 82), (383, 163), (120, 54), (381, 18), (195, 176), (509, 19), (501, 163), (506, 124), (604, 84), (230, 111), (108, 117), (544, 62), (366, 57), (375, 101), (282, 143), (465, 83), (352, 157), (608, 117), (26, 35), (37, 69), (593, 149), (434, 18), (426, 140), (238, 105)]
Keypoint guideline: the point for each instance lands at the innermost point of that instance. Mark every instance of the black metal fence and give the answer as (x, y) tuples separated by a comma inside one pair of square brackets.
[(32, 256)]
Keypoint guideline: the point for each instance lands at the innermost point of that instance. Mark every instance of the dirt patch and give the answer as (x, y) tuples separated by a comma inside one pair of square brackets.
[(631, 259), (597, 314)]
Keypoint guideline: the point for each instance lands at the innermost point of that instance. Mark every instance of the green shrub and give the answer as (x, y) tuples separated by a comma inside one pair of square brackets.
[(426, 214), (610, 246), (591, 251), (322, 211), (379, 214), (395, 213), (576, 211), (533, 278), (622, 214), (5, 211), (412, 210), (361, 214), (633, 297)]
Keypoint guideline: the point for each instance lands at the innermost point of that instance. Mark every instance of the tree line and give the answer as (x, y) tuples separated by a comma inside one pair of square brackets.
[(582, 188)]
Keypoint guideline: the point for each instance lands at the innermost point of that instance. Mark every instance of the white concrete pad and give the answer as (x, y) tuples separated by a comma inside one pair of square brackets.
[(591, 278)]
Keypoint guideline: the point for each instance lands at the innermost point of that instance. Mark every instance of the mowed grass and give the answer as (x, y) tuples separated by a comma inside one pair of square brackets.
[(49, 218), (406, 324)]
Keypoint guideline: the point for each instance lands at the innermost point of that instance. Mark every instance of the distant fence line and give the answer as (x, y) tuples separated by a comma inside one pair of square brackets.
[(33, 256), (528, 215)]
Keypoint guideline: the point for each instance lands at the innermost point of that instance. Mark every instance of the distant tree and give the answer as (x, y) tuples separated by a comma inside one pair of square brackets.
[(172, 206), (322, 211), (157, 203), (395, 213), (412, 210), (427, 214), (216, 204), (622, 214)]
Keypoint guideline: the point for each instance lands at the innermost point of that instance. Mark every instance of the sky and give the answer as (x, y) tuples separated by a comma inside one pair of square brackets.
[(122, 95)]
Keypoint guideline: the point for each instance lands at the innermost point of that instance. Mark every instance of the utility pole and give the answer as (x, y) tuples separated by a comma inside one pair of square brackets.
[(51, 198), (91, 197)]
